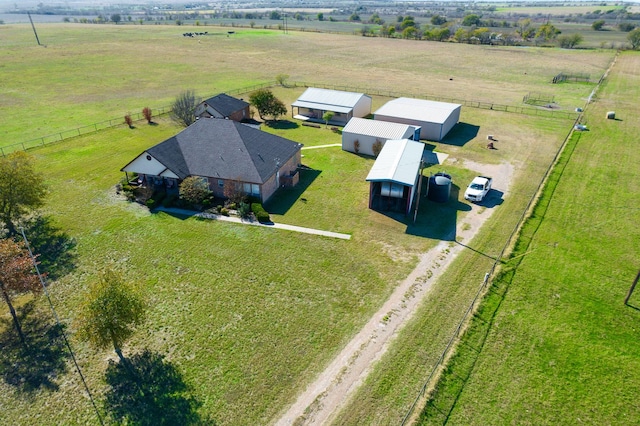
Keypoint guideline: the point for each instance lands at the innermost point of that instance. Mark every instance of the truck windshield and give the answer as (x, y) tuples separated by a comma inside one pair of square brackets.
[(476, 186)]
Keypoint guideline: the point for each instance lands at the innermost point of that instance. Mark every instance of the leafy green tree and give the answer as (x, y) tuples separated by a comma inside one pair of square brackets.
[(116, 18), (438, 20), (524, 29), (471, 19), (267, 104), (16, 277), (634, 38), (409, 32), (111, 313), (320, 16), (354, 17), (281, 79), (626, 26), (194, 190), (597, 25), (183, 110), (407, 22), (547, 32), (275, 15), (570, 41), (22, 189), (327, 117)]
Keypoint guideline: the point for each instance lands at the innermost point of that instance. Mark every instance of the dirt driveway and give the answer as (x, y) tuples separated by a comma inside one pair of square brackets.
[(324, 397)]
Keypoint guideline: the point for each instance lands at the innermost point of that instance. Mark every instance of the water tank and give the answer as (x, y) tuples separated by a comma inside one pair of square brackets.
[(439, 187)]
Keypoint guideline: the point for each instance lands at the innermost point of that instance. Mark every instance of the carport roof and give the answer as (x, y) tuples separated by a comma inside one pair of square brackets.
[(399, 162)]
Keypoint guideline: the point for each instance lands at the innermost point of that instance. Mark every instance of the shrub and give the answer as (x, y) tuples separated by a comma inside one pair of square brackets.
[(356, 146), (195, 190), (243, 210), (224, 211), (377, 147), (128, 121), (260, 213), (148, 115), (151, 203)]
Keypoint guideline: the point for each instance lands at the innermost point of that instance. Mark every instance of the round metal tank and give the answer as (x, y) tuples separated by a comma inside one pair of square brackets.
[(439, 187)]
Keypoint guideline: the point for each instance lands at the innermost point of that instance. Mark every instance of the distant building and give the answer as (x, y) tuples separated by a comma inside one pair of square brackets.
[(435, 119)]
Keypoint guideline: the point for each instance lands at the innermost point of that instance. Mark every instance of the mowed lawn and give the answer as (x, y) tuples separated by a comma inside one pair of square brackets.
[(248, 316), (562, 347)]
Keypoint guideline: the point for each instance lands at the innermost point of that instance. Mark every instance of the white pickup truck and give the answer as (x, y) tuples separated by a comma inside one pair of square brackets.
[(478, 188)]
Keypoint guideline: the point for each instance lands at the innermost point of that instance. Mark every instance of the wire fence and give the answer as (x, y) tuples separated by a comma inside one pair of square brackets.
[(513, 237), (107, 124)]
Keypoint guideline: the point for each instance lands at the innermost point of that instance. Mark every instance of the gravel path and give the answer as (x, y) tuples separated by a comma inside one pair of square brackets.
[(321, 401)]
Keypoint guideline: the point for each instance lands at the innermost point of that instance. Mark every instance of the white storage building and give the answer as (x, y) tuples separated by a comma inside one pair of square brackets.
[(367, 132), (394, 176), (435, 119), (313, 103)]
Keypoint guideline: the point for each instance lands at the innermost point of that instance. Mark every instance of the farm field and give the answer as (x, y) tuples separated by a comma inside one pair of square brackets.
[(249, 316), (562, 346)]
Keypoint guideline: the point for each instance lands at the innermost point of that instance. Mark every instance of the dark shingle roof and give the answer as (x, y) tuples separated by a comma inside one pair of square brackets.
[(224, 149), (225, 104)]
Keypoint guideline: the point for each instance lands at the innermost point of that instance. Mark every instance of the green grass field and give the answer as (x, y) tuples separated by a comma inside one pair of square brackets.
[(562, 346), (248, 316)]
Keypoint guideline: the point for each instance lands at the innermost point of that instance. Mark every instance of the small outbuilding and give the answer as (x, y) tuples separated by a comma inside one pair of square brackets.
[(435, 119), (360, 134), (394, 176), (223, 106), (313, 103)]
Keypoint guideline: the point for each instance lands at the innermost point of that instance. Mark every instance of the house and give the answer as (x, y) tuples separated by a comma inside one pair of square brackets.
[(394, 176), (435, 119), (223, 106), (367, 132), (230, 155), (313, 103)]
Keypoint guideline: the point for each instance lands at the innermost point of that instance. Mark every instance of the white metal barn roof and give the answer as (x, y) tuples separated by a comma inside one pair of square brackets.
[(399, 161), (377, 128), (418, 109), (321, 98)]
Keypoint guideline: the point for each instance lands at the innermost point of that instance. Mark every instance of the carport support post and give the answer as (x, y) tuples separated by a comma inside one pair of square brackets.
[(633, 286)]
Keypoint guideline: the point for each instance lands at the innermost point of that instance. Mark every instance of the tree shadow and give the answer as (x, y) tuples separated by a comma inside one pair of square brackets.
[(286, 197), (461, 134), (54, 248), (36, 366), (282, 124), (147, 390)]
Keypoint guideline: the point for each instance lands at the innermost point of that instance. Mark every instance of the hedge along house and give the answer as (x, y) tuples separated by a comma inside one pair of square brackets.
[(435, 119), (394, 177), (223, 106), (313, 103), (228, 154), (360, 134)]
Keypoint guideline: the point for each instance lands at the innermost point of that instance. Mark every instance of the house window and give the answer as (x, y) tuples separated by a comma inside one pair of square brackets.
[(220, 183)]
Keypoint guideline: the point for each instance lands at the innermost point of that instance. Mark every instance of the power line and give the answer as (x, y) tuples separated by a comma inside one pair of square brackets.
[(64, 336)]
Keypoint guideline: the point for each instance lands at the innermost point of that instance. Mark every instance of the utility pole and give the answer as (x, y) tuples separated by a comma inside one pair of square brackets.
[(34, 28)]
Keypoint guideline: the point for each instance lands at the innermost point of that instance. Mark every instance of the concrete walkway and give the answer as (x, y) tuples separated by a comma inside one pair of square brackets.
[(205, 215), (321, 146)]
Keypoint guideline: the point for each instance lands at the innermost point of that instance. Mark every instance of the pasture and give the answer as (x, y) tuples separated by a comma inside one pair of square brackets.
[(247, 316), (553, 342)]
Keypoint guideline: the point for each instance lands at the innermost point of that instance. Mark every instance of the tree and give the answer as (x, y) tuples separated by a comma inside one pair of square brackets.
[(183, 109), (320, 16), (438, 20), (597, 25), (470, 20), (570, 41), (281, 79), (111, 312), (22, 189), (547, 32), (376, 147), (16, 276), (128, 121), (147, 114), (267, 104), (327, 117), (634, 38), (354, 17), (195, 189), (524, 29), (116, 18)]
